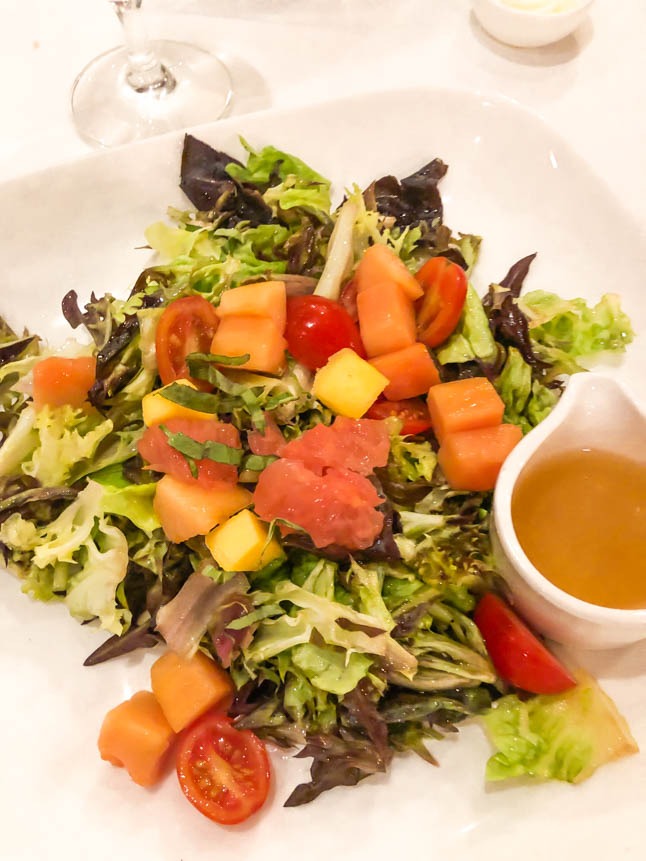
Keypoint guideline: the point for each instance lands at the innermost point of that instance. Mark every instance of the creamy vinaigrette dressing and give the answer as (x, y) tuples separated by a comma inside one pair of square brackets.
[(580, 517)]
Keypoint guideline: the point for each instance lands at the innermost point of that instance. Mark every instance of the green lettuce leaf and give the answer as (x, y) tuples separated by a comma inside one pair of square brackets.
[(299, 186), (472, 338), (317, 612), (78, 555), (564, 330), (134, 502), (366, 583), (91, 591), (329, 669), (469, 247), (527, 401), (414, 460), (67, 437), (20, 442), (561, 737)]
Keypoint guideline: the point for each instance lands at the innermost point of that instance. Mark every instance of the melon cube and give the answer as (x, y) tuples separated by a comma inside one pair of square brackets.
[(386, 319), (185, 688), (411, 372), (264, 299), (258, 337), (186, 508), (135, 735), (472, 459)]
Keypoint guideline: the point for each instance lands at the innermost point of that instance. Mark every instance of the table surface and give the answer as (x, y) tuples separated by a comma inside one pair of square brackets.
[(285, 53)]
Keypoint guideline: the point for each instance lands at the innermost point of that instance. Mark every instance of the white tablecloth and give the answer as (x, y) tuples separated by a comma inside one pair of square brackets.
[(286, 53)]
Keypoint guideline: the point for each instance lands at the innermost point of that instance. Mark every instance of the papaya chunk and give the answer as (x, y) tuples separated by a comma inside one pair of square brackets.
[(471, 459), (464, 405), (264, 299), (186, 508), (257, 337), (135, 735), (411, 372), (185, 688), (378, 264), (386, 319)]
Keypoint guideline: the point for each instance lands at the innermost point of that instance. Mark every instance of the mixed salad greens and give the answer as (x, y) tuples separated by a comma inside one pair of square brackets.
[(351, 654)]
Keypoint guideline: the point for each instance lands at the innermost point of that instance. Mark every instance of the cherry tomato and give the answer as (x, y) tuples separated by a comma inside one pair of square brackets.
[(186, 326), (224, 772), (517, 654), (59, 381), (413, 412), (317, 328), (439, 309)]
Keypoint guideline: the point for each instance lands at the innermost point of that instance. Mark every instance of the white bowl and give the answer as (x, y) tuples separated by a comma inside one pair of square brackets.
[(523, 28), (594, 412)]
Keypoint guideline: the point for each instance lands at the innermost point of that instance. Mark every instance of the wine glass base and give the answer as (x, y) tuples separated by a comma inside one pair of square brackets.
[(108, 112)]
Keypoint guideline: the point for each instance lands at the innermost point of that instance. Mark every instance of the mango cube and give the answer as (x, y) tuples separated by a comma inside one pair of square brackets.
[(348, 384), (157, 410), (237, 545)]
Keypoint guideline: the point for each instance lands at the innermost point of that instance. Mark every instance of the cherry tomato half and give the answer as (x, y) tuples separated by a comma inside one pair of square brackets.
[(317, 328), (439, 309), (412, 412), (517, 654), (186, 326), (223, 772)]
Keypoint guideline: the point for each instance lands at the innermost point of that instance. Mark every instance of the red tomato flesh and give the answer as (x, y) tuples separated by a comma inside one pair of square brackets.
[(224, 772), (317, 328), (186, 326), (336, 508), (157, 451), (59, 381), (356, 444), (518, 656), (445, 291), (412, 412), (269, 441)]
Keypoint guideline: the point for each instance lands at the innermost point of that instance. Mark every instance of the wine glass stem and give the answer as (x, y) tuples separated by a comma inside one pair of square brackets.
[(145, 72)]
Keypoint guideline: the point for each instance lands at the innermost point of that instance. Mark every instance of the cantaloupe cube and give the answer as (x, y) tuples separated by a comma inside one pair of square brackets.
[(185, 688), (157, 410), (259, 337), (410, 372), (264, 299), (386, 319), (348, 384), (464, 405), (238, 544), (136, 735), (471, 459), (186, 509), (378, 264)]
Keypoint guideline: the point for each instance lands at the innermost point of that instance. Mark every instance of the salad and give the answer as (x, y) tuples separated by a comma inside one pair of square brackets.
[(276, 456)]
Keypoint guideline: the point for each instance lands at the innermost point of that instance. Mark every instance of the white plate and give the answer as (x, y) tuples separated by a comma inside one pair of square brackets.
[(518, 184)]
